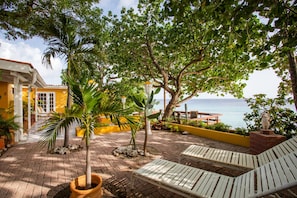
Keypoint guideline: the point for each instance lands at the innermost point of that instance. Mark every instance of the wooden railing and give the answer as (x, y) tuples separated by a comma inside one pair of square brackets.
[(208, 118)]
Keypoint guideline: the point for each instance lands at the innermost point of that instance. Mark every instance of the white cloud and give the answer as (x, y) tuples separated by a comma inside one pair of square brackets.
[(20, 51)]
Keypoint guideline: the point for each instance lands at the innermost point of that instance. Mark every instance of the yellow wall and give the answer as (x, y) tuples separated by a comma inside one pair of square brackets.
[(6, 96), (230, 138), (3, 95), (60, 96)]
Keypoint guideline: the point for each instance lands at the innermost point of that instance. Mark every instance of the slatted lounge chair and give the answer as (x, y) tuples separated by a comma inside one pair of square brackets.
[(236, 159), (187, 181)]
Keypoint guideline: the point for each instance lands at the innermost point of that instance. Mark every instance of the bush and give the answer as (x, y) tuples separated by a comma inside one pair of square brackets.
[(241, 131), (219, 127), (283, 120)]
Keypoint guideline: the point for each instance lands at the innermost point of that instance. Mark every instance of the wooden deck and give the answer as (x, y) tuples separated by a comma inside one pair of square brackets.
[(208, 118)]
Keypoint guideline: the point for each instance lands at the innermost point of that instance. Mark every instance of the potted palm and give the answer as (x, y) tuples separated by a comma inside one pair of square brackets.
[(6, 125), (88, 104)]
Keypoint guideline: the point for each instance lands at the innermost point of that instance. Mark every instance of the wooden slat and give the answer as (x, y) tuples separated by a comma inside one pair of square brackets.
[(261, 160), (293, 142), (241, 159), (292, 163), (250, 161), (236, 187), (269, 177), (228, 157), (155, 169), (286, 170), (209, 153), (192, 177), (185, 180), (235, 158), (251, 182), (182, 176), (201, 184), (280, 171), (211, 185), (223, 187), (171, 174), (279, 175)]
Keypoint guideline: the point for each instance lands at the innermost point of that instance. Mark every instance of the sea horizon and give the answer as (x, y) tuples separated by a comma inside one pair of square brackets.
[(232, 109)]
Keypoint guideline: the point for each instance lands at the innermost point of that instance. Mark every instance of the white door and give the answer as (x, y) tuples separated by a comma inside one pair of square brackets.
[(46, 100)]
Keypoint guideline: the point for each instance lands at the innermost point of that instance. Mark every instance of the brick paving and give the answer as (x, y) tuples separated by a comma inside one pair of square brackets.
[(28, 171)]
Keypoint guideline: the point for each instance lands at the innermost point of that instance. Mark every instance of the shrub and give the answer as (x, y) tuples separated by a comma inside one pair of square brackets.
[(282, 119), (241, 131), (219, 127)]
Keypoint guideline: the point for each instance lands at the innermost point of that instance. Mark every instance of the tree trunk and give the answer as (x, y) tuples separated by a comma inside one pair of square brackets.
[(66, 137), (293, 75), (88, 168), (145, 135), (170, 107)]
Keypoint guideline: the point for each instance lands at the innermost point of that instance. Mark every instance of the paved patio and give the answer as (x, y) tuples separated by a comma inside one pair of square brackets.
[(28, 171)]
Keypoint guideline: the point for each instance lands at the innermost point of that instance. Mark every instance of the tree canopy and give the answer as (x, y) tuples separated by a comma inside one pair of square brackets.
[(26, 19), (281, 45), (185, 51)]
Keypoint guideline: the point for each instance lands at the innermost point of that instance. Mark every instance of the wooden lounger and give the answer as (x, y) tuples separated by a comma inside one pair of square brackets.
[(188, 181), (236, 159)]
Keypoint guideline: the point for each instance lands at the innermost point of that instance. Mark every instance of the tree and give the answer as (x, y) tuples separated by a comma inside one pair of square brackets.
[(280, 31), (199, 52), (66, 43), (25, 19), (146, 106)]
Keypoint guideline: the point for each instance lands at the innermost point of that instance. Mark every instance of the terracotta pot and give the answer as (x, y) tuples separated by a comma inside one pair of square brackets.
[(2, 143), (80, 181)]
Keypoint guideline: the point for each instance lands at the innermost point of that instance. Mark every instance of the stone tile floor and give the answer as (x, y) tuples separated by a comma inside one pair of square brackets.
[(28, 171)]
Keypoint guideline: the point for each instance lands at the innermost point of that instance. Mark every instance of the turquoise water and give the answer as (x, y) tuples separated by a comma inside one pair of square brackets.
[(232, 110)]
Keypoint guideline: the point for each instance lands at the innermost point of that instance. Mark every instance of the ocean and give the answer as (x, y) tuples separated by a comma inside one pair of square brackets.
[(232, 110)]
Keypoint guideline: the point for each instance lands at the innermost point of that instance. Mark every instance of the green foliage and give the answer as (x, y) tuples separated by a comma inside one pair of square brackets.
[(196, 123), (146, 105), (283, 120), (219, 127), (279, 45), (173, 128), (38, 15), (6, 125), (241, 131), (186, 51), (88, 103)]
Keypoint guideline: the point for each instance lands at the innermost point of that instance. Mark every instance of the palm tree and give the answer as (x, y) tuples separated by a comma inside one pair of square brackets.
[(66, 43), (88, 104)]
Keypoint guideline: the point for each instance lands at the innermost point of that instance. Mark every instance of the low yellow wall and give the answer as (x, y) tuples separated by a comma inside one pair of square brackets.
[(103, 130), (231, 138), (107, 129)]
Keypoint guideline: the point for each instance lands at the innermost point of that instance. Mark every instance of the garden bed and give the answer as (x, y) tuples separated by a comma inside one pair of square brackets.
[(230, 138)]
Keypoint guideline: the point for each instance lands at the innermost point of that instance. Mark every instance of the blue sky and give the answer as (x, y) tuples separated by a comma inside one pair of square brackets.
[(32, 50)]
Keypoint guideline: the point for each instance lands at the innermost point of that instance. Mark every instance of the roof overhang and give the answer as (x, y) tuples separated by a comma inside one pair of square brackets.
[(27, 74)]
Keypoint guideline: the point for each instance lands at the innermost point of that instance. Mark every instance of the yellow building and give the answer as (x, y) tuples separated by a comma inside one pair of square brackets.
[(24, 91), (49, 98)]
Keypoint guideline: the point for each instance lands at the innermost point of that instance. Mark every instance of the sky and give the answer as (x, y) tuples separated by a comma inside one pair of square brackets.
[(32, 50)]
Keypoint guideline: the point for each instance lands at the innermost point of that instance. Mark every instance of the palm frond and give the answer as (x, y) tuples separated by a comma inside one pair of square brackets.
[(56, 124)]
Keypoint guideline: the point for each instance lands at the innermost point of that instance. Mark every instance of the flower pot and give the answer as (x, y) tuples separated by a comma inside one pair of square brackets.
[(2, 143), (77, 185)]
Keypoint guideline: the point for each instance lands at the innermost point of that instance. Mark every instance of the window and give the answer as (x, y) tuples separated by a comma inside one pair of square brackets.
[(46, 101)]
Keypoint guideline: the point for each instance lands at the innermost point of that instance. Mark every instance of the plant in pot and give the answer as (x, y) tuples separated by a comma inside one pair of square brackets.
[(7, 124), (88, 104)]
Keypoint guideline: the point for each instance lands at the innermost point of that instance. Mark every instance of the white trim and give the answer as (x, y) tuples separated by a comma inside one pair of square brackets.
[(47, 105)]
